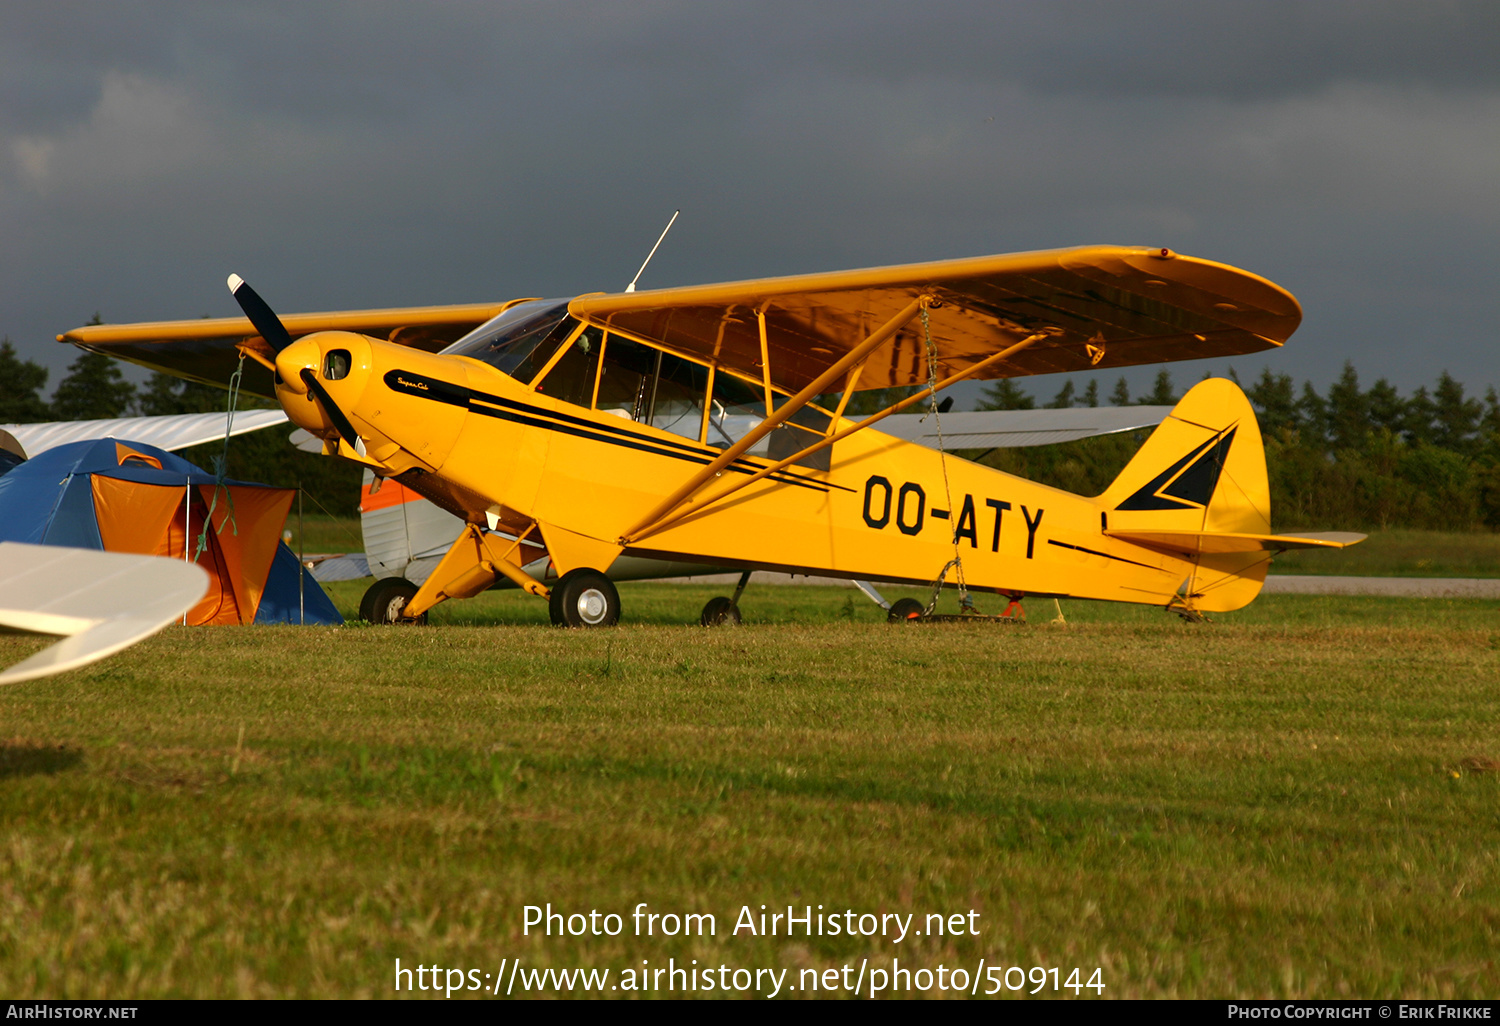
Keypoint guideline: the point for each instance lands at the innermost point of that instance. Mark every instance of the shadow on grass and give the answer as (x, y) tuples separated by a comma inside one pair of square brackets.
[(24, 760)]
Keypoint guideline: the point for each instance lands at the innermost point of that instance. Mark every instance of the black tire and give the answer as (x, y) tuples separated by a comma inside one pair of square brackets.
[(905, 611), (584, 598), (385, 600), (720, 611)]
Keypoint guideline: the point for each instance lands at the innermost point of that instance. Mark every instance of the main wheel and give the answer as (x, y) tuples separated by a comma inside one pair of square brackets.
[(720, 611), (905, 610), (386, 600), (584, 598)]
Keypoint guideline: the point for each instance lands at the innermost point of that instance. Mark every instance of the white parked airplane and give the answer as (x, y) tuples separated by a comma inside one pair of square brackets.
[(170, 432)]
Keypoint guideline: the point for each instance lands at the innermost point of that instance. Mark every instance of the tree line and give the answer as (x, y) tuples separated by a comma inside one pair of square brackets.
[(1346, 458)]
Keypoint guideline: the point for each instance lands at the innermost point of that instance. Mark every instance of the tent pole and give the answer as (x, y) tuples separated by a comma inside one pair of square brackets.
[(187, 526), (301, 566)]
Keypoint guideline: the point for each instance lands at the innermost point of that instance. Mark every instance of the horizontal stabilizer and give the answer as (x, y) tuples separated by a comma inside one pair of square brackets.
[(1205, 542), (103, 601)]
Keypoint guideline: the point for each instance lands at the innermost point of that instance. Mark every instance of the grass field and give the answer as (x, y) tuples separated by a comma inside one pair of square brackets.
[(1295, 801)]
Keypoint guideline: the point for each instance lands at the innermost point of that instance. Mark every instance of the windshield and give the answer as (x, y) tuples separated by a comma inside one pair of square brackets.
[(506, 340)]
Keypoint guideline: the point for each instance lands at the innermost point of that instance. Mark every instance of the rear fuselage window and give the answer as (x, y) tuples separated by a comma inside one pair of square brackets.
[(738, 407)]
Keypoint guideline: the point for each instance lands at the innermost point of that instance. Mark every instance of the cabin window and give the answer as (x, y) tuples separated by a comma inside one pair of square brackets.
[(737, 408), (801, 429), (677, 396), (625, 378), (571, 378), (652, 387)]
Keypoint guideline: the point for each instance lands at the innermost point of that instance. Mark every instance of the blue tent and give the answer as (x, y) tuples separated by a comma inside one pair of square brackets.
[(129, 497)]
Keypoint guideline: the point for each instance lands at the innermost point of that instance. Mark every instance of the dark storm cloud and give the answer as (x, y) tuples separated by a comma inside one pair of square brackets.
[(377, 154)]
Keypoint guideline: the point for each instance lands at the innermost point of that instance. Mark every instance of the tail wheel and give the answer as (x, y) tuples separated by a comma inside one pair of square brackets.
[(719, 611), (584, 598), (386, 600), (905, 611)]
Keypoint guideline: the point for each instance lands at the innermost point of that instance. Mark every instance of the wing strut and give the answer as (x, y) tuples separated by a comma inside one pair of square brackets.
[(774, 420), (653, 526)]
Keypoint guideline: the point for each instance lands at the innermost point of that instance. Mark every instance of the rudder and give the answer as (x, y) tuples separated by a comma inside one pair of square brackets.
[(1201, 473), (1202, 469)]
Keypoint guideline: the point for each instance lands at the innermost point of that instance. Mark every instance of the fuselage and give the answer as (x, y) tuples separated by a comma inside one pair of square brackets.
[(606, 425)]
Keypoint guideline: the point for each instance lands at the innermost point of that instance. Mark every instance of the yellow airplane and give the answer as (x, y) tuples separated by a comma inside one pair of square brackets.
[(707, 425)]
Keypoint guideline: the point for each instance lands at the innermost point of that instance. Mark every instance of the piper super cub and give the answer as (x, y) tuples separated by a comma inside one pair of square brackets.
[(707, 425)]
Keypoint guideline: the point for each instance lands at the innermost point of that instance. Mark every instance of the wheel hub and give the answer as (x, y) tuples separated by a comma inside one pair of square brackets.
[(591, 606)]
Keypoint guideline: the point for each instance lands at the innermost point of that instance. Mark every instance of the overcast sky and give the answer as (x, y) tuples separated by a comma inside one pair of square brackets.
[(343, 155)]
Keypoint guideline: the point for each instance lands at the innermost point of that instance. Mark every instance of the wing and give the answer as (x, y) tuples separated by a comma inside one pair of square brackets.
[(172, 432), (204, 350), (1103, 306), (1016, 429), (101, 601)]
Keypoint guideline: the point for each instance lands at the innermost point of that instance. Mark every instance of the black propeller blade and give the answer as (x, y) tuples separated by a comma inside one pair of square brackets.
[(346, 429), (261, 315)]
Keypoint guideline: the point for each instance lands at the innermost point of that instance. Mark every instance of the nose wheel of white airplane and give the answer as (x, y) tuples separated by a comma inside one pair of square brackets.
[(386, 599), (720, 611), (584, 598)]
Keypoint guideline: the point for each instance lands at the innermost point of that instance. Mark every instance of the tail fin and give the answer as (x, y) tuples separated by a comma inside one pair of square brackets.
[(1202, 470), (1198, 490)]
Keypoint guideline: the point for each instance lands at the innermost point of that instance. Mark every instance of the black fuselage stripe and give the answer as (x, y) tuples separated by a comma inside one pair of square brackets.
[(1106, 555), (634, 441), (522, 413), (627, 443)]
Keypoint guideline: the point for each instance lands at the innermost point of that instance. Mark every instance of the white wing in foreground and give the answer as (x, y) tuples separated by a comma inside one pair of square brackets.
[(101, 601)]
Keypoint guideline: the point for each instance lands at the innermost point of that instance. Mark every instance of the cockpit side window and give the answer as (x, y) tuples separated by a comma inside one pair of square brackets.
[(649, 386), (625, 377), (677, 398), (571, 378)]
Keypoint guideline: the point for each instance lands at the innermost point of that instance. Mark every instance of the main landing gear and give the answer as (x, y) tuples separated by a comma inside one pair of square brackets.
[(721, 611), (386, 600), (584, 598)]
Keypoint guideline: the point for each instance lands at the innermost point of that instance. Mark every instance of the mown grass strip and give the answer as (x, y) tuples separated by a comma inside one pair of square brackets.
[(1294, 801)]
